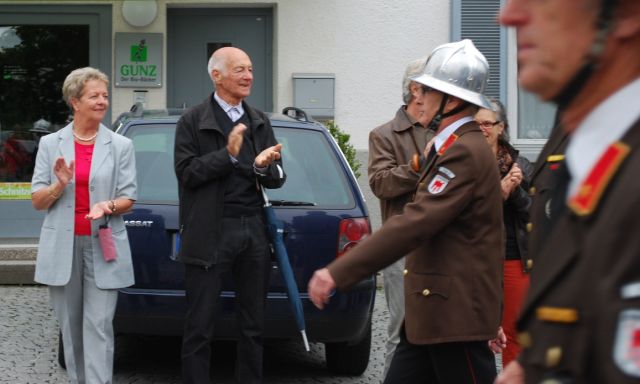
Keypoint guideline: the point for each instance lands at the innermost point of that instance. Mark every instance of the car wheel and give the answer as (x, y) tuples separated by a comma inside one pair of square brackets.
[(349, 358), (61, 361)]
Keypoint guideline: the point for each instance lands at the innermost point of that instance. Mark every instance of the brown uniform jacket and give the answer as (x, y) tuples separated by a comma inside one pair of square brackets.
[(391, 148), (454, 246), (580, 321)]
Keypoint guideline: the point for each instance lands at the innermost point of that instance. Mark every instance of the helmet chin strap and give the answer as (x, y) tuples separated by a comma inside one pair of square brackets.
[(434, 124), (604, 26)]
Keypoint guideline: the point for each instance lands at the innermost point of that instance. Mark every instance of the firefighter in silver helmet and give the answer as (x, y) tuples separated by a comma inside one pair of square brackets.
[(450, 234)]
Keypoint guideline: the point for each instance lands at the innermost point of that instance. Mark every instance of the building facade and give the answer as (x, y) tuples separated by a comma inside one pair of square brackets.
[(337, 59)]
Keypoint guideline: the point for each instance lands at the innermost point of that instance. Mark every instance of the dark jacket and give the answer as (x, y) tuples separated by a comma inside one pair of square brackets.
[(580, 319), (519, 203), (202, 165), (453, 280)]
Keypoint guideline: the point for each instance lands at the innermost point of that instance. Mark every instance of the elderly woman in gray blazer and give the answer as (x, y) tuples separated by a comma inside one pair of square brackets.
[(84, 177)]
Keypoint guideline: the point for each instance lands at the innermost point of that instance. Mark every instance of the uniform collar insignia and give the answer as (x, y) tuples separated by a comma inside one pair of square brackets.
[(586, 199), (450, 140)]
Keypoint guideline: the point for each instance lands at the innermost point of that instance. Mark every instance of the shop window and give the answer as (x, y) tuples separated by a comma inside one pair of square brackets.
[(34, 61)]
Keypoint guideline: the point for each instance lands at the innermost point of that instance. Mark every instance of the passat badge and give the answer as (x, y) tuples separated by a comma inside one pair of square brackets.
[(627, 345), (437, 184)]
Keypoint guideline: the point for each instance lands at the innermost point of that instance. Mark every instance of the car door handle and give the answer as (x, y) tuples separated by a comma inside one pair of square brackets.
[(175, 244)]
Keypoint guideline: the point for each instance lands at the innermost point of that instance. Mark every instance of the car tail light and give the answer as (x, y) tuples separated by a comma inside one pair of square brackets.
[(352, 231)]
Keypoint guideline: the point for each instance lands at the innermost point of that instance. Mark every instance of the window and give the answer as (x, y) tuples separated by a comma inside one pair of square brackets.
[(31, 76), (530, 120), (153, 144), (314, 172), (18, 218)]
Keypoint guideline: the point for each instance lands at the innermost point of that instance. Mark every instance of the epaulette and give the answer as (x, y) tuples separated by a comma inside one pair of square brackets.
[(554, 161)]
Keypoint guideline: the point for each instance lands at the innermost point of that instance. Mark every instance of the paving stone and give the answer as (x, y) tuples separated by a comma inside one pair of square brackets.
[(29, 342)]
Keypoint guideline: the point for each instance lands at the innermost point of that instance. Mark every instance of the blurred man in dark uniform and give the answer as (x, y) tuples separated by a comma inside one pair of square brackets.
[(454, 259), (581, 319)]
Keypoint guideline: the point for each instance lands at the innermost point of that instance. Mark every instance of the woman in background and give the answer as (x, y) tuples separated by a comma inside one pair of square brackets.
[(515, 171), (84, 176)]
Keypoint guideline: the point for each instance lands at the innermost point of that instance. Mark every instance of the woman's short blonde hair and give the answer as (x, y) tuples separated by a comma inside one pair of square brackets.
[(73, 85)]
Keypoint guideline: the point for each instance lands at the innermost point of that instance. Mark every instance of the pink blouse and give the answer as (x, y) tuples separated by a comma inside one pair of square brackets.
[(83, 168)]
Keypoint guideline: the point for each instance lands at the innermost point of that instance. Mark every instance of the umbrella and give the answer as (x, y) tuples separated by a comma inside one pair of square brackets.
[(276, 230)]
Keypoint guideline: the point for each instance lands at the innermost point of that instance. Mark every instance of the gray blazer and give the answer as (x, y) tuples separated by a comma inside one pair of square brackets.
[(112, 175)]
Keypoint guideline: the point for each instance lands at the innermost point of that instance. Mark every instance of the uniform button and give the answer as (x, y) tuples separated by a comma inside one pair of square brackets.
[(529, 263), (405, 272), (92, 189), (529, 227), (524, 339), (532, 191), (552, 359), (426, 292), (422, 184)]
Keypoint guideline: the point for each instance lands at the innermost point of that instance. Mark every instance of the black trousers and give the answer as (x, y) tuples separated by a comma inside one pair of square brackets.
[(447, 363), (244, 253)]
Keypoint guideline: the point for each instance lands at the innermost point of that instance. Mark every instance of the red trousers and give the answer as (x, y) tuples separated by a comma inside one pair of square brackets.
[(516, 283)]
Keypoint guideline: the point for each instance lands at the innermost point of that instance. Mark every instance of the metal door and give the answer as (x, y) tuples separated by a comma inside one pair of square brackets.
[(193, 34)]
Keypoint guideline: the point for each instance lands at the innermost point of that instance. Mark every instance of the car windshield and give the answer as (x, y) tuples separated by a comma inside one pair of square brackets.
[(154, 162), (314, 173), (315, 176)]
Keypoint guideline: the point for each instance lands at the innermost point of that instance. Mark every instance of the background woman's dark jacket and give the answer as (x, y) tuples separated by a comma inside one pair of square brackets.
[(516, 208)]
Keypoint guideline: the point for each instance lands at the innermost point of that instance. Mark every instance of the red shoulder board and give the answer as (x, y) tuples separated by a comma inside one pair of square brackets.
[(450, 140), (588, 195)]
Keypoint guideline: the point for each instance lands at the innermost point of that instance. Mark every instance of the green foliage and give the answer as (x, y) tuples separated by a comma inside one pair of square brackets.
[(343, 142)]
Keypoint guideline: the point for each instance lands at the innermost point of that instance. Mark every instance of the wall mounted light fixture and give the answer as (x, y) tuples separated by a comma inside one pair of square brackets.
[(139, 13)]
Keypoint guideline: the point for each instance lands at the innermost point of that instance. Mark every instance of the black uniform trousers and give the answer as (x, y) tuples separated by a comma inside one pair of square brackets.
[(244, 253), (470, 362)]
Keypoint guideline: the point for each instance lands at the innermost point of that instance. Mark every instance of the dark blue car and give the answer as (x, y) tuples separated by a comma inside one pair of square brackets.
[(324, 214)]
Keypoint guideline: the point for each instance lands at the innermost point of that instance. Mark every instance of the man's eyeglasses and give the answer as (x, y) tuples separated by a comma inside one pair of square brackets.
[(487, 124)]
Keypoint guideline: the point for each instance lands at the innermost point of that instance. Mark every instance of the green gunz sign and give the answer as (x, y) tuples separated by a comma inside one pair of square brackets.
[(138, 60)]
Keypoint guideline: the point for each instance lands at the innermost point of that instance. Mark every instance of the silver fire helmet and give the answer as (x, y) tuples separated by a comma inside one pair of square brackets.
[(458, 69)]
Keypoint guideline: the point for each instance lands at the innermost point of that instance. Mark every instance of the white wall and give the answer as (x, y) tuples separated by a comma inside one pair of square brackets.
[(366, 43)]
